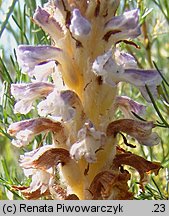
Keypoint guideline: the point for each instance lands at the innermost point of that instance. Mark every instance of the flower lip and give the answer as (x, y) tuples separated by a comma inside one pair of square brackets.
[(42, 71), (25, 130), (142, 131), (123, 27), (140, 78), (60, 104), (26, 94), (106, 67), (127, 106), (48, 23), (129, 20), (30, 56), (114, 72), (89, 141), (44, 157)]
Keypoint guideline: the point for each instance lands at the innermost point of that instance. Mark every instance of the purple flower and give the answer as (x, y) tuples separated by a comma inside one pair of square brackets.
[(142, 131), (63, 104), (125, 59), (26, 94), (26, 130), (88, 142), (113, 73), (79, 25), (123, 27), (48, 23), (31, 56), (127, 106)]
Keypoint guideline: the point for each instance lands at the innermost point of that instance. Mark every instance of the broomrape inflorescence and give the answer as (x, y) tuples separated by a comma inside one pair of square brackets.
[(84, 161)]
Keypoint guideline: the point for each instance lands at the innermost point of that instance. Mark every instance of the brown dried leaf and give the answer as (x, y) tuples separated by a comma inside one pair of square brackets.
[(111, 185)]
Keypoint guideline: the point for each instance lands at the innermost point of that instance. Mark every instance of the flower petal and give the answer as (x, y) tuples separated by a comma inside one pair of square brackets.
[(127, 106), (106, 67), (113, 73), (43, 71), (44, 158), (89, 141), (24, 106), (48, 23), (125, 59), (128, 20), (31, 56), (142, 131), (151, 140), (123, 27), (28, 93), (25, 130), (141, 77), (61, 104)]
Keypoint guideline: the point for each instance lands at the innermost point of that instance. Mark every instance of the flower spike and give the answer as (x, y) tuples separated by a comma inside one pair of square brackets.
[(75, 82)]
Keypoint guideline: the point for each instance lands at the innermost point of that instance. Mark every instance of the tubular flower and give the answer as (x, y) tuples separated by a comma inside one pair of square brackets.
[(89, 141), (80, 114), (124, 26), (29, 56), (25, 130), (129, 106), (142, 131), (114, 72), (28, 93)]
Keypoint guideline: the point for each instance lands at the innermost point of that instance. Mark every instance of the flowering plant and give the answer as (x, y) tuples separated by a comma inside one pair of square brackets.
[(75, 81)]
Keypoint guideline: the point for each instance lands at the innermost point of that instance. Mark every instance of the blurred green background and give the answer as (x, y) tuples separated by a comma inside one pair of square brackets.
[(16, 27)]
